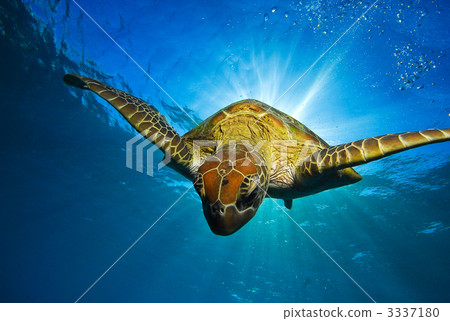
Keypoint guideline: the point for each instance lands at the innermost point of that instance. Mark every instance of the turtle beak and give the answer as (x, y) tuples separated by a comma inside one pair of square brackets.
[(225, 220)]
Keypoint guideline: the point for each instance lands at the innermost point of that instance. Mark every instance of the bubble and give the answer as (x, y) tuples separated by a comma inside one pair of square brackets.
[(411, 66), (274, 9), (266, 17)]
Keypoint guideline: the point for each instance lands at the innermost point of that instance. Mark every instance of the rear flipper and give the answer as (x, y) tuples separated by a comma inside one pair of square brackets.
[(367, 150), (288, 203)]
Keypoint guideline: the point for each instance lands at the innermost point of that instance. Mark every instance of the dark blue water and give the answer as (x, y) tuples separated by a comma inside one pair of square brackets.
[(70, 207)]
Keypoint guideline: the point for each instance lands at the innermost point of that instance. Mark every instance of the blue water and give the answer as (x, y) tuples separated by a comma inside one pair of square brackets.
[(70, 207)]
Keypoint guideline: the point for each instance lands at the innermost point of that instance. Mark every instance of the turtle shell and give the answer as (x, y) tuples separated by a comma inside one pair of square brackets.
[(278, 125)]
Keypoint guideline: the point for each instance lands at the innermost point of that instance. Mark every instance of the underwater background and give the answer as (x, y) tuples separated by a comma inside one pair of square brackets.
[(70, 207)]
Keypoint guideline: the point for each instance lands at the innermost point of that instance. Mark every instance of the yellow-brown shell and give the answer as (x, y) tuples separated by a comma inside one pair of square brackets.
[(280, 126)]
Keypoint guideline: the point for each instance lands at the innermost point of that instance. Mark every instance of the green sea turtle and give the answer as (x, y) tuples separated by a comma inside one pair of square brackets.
[(249, 150)]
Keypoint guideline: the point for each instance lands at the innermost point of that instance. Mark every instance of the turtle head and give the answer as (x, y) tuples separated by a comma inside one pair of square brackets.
[(231, 190)]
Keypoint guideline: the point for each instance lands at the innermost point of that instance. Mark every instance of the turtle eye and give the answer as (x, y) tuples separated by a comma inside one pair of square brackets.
[(245, 185), (198, 184), (249, 193), (249, 185)]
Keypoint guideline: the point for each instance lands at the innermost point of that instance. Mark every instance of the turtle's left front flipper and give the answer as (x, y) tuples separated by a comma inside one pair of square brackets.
[(367, 150), (145, 118)]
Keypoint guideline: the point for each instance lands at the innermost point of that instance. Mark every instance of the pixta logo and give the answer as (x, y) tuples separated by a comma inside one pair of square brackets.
[(139, 148), (287, 153)]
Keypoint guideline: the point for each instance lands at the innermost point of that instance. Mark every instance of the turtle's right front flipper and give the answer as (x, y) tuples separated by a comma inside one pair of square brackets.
[(367, 150), (145, 118)]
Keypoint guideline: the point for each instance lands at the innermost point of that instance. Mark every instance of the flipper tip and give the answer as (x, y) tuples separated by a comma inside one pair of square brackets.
[(74, 80), (288, 203)]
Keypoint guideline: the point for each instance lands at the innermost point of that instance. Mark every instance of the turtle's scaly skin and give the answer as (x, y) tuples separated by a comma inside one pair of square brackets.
[(369, 149), (231, 183), (144, 118), (249, 150), (284, 143)]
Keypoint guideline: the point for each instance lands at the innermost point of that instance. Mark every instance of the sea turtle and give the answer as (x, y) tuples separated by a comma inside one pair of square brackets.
[(249, 150)]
